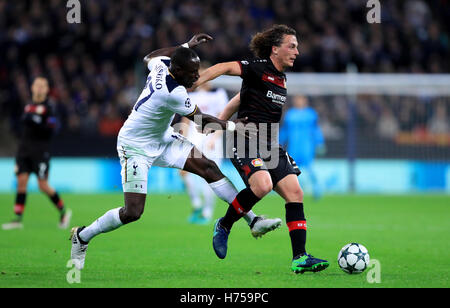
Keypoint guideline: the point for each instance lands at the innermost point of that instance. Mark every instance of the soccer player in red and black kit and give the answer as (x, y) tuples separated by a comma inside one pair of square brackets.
[(33, 155), (261, 99)]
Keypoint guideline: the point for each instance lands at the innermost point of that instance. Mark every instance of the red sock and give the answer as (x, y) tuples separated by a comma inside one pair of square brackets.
[(19, 206), (243, 203), (296, 223), (57, 201), (19, 209)]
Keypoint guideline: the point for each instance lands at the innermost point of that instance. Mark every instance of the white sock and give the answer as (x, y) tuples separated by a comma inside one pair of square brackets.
[(226, 191), (249, 217), (108, 222)]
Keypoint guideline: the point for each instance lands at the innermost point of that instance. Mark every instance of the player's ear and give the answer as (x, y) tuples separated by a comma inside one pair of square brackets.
[(174, 69), (275, 50)]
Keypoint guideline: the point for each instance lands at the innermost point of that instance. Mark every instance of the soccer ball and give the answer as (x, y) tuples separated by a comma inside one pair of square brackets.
[(353, 258)]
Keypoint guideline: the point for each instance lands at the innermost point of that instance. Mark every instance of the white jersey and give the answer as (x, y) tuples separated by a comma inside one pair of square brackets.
[(148, 125), (212, 103)]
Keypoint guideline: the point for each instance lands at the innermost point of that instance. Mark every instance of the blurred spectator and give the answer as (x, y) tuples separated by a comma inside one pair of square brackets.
[(387, 124), (439, 122), (110, 123), (90, 123)]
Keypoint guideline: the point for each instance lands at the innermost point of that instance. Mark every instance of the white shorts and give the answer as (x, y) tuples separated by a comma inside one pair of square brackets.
[(136, 161)]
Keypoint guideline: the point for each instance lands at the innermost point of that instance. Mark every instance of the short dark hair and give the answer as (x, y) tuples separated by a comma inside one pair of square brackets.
[(181, 56), (262, 42), (41, 77)]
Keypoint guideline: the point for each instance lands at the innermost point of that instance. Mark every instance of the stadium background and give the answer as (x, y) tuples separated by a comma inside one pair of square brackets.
[(96, 73), (386, 169)]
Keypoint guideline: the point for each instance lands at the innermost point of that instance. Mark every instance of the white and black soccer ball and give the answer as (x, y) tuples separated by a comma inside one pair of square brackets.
[(353, 258)]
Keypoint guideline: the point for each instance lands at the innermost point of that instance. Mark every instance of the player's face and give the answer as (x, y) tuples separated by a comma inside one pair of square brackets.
[(190, 73), (287, 52), (300, 102), (39, 89)]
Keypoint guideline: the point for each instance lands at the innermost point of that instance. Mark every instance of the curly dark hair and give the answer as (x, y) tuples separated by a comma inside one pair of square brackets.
[(262, 42)]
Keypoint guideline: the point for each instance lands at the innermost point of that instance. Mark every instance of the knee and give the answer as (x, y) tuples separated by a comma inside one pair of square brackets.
[(262, 187), (131, 213), (42, 187), (295, 194), (22, 185), (22, 189), (211, 172), (130, 216), (299, 193)]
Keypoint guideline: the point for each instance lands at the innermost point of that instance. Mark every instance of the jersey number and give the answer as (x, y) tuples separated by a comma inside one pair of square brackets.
[(144, 99)]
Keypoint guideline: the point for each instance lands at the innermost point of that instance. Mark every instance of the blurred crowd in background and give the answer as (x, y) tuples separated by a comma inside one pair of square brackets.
[(424, 120), (95, 68)]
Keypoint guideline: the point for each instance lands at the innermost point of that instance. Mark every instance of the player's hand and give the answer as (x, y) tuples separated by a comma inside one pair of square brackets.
[(243, 128), (199, 39)]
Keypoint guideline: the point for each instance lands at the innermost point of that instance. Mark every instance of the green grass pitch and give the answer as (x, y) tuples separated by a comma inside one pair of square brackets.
[(409, 235)]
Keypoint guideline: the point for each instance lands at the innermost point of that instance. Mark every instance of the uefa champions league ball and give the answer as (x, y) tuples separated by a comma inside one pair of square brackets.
[(353, 258)]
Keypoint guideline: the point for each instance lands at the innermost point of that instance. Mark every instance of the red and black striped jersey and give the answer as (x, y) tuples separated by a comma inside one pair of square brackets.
[(263, 92)]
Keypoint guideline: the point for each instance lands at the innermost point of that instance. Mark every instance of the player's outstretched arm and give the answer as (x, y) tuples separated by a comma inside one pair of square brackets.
[(206, 119), (231, 108), (168, 51), (226, 68)]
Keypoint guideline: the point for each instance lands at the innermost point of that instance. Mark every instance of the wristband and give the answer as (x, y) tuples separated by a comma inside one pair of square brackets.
[(231, 126), (185, 45)]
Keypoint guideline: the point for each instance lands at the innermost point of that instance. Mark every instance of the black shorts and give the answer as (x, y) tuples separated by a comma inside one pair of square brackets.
[(248, 166), (38, 163)]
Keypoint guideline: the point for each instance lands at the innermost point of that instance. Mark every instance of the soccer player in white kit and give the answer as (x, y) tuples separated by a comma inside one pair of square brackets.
[(147, 139)]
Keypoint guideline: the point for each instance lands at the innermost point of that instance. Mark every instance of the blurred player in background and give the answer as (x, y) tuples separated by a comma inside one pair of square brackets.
[(301, 133), (33, 155), (147, 139), (211, 101), (261, 99)]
